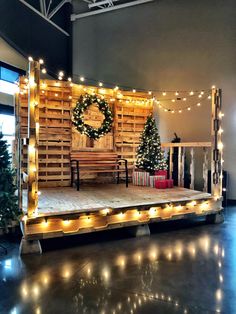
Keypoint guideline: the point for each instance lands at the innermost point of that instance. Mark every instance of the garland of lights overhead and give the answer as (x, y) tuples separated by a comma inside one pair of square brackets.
[(180, 95), (78, 119)]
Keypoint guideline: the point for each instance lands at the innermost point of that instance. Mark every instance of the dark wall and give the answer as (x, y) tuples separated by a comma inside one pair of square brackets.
[(30, 34), (168, 45)]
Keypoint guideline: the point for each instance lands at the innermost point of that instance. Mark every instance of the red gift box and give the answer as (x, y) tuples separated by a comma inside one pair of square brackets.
[(170, 183), (161, 173), (162, 184)]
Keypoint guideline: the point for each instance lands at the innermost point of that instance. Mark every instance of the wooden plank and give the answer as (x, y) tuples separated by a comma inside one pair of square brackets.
[(192, 168), (187, 144)]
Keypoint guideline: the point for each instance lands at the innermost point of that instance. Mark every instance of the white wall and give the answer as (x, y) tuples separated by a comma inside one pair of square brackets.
[(168, 45), (10, 56)]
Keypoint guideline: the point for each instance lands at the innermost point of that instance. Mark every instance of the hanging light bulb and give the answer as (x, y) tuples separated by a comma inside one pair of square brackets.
[(41, 61), (81, 79), (100, 84), (191, 93), (134, 90), (61, 73), (164, 93), (199, 104), (69, 79), (44, 71), (30, 59), (176, 93), (189, 108), (149, 92)]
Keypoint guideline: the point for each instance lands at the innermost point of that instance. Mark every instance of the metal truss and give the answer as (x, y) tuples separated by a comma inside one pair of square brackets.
[(102, 6), (47, 11)]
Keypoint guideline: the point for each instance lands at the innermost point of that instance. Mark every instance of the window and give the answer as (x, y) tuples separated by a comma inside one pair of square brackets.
[(7, 126)]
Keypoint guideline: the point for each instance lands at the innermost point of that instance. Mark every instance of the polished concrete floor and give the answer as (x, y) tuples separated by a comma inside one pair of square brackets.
[(183, 267)]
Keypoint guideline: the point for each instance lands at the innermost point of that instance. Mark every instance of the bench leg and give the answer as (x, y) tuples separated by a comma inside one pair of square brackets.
[(126, 176), (72, 177), (118, 175), (77, 166)]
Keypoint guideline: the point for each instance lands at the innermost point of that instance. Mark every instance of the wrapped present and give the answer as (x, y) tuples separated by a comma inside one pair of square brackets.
[(170, 183), (161, 173), (162, 184), (154, 178), (141, 178)]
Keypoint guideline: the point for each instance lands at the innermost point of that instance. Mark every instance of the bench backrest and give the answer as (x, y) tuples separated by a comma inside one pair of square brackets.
[(86, 156)]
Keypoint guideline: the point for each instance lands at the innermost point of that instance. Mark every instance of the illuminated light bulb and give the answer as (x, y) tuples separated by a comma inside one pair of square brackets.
[(180, 111), (30, 59), (199, 104), (26, 80), (218, 294), (219, 264), (176, 93), (193, 203), (191, 93), (34, 169), (71, 84), (213, 86), (31, 149), (200, 96), (173, 100), (220, 145), (224, 189), (69, 79), (70, 97), (60, 78), (164, 94), (149, 93), (184, 99), (81, 79), (152, 211), (169, 256), (39, 192), (41, 61), (66, 222), (221, 115), (121, 215), (189, 108), (209, 97), (204, 206), (43, 92), (105, 211), (24, 218), (172, 111), (134, 90), (56, 95), (221, 130), (100, 84), (165, 110), (179, 207), (61, 73), (36, 290), (202, 92), (160, 106)]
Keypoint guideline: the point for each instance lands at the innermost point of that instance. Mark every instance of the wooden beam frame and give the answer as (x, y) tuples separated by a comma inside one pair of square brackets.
[(33, 136), (217, 145)]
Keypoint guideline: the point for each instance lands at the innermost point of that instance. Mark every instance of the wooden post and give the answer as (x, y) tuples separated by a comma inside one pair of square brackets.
[(33, 136), (18, 152), (205, 168), (181, 156), (217, 146), (171, 163), (192, 168)]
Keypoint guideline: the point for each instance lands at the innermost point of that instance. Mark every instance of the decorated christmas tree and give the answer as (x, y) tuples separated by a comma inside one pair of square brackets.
[(8, 201), (150, 157)]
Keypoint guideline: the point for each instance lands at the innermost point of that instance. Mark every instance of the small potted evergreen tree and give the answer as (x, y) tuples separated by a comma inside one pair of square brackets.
[(9, 210), (150, 157)]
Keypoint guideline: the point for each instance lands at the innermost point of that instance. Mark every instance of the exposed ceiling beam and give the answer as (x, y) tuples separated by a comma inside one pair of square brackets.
[(99, 3), (44, 17), (57, 8), (115, 7)]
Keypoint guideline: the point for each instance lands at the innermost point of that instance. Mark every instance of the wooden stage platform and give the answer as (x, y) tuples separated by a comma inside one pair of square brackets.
[(66, 211), (92, 198)]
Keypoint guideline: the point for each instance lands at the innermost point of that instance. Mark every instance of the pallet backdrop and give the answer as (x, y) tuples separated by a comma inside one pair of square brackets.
[(57, 136)]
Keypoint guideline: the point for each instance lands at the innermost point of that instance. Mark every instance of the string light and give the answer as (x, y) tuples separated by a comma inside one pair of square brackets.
[(100, 84), (82, 79), (134, 90), (41, 61), (30, 59), (44, 71), (69, 79)]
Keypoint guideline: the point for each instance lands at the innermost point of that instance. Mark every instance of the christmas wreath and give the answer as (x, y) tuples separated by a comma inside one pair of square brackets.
[(81, 106)]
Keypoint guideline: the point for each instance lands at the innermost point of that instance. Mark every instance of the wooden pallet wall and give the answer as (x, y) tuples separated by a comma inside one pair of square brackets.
[(130, 116), (54, 131), (58, 136)]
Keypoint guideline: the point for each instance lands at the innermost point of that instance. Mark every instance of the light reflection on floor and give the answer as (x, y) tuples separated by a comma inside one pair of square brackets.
[(180, 271)]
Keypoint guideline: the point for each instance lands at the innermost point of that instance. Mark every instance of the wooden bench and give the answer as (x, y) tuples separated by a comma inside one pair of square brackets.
[(96, 162)]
